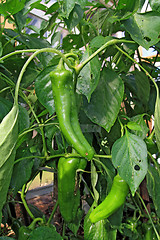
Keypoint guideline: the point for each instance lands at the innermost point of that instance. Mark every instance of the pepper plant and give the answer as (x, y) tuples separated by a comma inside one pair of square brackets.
[(84, 101)]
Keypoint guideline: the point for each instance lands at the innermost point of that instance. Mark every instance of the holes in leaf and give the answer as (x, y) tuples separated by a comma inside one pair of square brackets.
[(139, 160), (136, 167), (147, 39)]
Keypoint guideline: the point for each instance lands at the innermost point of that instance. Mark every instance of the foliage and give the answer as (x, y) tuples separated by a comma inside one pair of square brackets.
[(118, 100)]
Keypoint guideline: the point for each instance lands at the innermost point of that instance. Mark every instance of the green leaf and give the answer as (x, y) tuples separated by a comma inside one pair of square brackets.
[(5, 107), (72, 41), (141, 30), (44, 232), (66, 7), (23, 119), (14, 66), (23, 169), (20, 19), (97, 42), (142, 132), (100, 230), (1, 49), (54, 7), (11, 6), (43, 89), (8, 139), (153, 186), (74, 226), (157, 120), (155, 5), (89, 76), (74, 17), (143, 86), (38, 43), (129, 156), (128, 5), (33, 43), (56, 39), (106, 100), (134, 126)]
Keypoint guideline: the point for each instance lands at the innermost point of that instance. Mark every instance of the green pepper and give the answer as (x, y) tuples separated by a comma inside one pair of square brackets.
[(149, 232), (114, 200), (63, 88), (68, 186), (24, 233)]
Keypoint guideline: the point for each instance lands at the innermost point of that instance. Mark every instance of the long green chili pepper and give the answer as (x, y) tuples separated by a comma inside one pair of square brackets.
[(66, 110), (114, 200), (68, 186)]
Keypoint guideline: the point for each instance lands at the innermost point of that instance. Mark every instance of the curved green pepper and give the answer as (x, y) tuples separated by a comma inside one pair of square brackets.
[(77, 129), (114, 200), (66, 110), (68, 186)]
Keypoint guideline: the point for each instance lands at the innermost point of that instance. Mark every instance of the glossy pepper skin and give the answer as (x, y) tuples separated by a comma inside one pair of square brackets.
[(114, 200), (66, 110), (68, 186), (77, 129)]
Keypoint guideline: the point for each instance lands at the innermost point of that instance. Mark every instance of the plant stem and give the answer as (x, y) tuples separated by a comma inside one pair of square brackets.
[(102, 156), (25, 203), (148, 215), (53, 212), (155, 162), (17, 52), (105, 168), (107, 44), (30, 59), (66, 155), (147, 73)]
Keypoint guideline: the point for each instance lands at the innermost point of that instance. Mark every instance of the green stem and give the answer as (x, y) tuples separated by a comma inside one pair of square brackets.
[(28, 102), (33, 223), (30, 59), (107, 44), (73, 55), (105, 168), (44, 142), (53, 212), (102, 156), (25, 203), (34, 127), (17, 52), (68, 155), (147, 73), (155, 162), (148, 215)]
